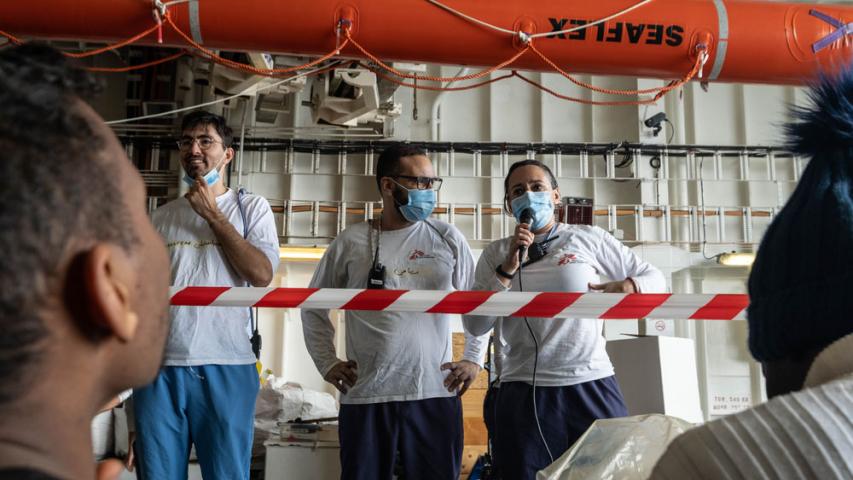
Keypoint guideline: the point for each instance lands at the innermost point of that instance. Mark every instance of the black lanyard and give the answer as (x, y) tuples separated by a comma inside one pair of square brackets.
[(256, 336), (538, 250)]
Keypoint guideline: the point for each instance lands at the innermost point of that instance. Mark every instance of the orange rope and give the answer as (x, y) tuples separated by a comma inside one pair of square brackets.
[(90, 53), (379, 73), (206, 52), (318, 72), (514, 73), (12, 38), (643, 101), (137, 67), (608, 91), (114, 46), (659, 91), (323, 70), (510, 75), (412, 76), (248, 68), (679, 83)]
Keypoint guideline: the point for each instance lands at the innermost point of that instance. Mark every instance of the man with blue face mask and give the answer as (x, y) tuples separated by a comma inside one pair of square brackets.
[(205, 393), (399, 388)]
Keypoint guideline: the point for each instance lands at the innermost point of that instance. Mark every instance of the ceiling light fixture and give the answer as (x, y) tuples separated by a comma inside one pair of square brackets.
[(736, 259), (301, 253)]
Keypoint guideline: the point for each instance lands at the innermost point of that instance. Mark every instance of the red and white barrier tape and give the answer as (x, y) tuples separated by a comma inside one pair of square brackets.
[(518, 304)]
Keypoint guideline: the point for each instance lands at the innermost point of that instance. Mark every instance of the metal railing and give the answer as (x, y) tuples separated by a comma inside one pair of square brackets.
[(674, 205)]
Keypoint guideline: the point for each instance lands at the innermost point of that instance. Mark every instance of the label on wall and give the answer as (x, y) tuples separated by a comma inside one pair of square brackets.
[(726, 403), (657, 327)]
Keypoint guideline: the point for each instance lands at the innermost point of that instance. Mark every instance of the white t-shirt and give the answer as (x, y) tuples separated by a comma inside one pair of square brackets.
[(211, 335), (571, 351), (399, 355)]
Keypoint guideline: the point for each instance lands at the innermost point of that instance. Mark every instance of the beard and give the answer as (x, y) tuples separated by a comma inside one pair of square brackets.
[(401, 197), (195, 170)]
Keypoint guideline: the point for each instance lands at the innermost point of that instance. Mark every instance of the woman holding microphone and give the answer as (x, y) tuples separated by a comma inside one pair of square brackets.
[(556, 378)]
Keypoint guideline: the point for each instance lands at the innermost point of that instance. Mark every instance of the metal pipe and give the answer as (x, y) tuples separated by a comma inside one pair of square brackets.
[(436, 106)]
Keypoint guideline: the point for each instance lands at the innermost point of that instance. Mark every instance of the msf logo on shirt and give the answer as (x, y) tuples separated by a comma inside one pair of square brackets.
[(418, 254), (567, 259)]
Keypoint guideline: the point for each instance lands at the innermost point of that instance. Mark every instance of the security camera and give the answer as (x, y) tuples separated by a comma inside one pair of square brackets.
[(655, 122)]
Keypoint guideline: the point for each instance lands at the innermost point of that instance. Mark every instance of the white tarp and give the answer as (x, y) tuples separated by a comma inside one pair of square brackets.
[(617, 449), (280, 401)]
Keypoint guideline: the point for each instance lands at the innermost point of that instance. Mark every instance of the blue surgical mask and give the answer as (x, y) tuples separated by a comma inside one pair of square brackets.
[(541, 205), (420, 205), (211, 178)]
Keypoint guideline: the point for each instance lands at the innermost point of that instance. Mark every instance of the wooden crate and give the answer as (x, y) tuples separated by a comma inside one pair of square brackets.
[(470, 454), (475, 431), (474, 427), (472, 403)]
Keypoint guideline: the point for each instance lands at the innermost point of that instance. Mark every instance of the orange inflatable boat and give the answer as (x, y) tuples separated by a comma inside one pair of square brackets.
[(746, 41)]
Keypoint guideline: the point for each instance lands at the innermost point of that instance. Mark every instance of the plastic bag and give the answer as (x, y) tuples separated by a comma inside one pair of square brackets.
[(617, 449), (281, 401)]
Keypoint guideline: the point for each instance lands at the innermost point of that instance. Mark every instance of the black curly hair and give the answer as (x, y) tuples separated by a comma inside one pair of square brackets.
[(58, 195), (388, 164), (202, 117)]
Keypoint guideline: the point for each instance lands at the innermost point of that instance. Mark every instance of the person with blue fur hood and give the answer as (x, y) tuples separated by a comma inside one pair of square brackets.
[(800, 322)]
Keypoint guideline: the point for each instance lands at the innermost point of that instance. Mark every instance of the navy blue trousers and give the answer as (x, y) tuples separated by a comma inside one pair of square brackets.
[(426, 434), (565, 413)]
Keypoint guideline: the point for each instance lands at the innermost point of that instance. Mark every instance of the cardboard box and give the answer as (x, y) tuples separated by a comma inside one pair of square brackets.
[(302, 461), (658, 375), (309, 432)]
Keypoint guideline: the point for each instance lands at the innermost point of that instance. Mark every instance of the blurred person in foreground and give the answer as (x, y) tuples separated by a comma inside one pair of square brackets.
[(84, 277), (800, 322)]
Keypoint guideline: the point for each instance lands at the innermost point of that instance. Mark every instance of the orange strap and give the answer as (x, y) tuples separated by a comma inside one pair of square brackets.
[(90, 53), (268, 72), (429, 78), (391, 79), (657, 90), (642, 101), (114, 46), (12, 38), (138, 67)]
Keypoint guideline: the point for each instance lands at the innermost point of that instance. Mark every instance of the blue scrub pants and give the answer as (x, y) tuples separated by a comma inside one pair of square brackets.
[(211, 406)]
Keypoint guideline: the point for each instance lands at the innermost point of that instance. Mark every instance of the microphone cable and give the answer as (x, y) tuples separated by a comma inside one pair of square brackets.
[(535, 359)]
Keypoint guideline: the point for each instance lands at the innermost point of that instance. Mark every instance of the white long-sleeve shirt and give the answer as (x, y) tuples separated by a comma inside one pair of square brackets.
[(399, 355), (571, 351)]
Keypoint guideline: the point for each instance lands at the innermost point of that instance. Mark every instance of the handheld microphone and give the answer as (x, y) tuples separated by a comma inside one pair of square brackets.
[(527, 218)]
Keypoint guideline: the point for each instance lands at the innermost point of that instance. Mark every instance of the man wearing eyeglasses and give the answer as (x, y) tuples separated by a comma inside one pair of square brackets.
[(205, 393), (399, 387)]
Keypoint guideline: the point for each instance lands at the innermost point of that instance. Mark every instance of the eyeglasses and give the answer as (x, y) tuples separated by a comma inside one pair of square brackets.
[(424, 183), (203, 143)]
